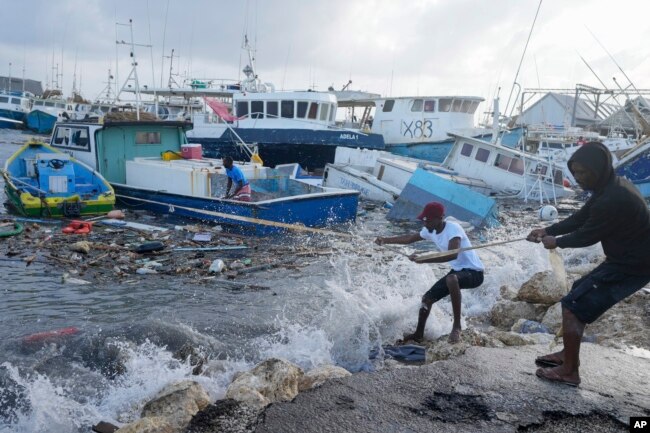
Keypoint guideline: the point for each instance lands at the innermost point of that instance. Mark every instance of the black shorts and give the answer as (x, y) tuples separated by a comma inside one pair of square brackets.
[(467, 279), (599, 290)]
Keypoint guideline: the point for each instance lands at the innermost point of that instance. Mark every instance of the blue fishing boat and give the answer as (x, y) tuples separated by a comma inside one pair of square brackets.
[(635, 166), (140, 161), (46, 112), (43, 181)]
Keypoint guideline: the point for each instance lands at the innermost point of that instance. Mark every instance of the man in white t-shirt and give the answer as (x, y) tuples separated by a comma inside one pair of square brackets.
[(466, 268)]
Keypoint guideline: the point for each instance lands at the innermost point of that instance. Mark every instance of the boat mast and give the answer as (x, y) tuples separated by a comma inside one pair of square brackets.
[(133, 75)]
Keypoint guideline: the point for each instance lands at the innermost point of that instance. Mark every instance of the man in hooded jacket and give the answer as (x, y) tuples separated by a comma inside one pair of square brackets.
[(616, 216)]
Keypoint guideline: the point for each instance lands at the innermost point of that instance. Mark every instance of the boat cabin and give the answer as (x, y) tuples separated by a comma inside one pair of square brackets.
[(506, 170), (411, 119), (277, 110)]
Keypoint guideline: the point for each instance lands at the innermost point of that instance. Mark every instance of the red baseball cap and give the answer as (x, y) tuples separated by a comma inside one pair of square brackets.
[(432, 210)]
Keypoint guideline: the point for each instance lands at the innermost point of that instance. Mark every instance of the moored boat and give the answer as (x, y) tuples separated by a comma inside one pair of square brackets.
[(43, 181), (413, 126), (14, 106), (132, 156)]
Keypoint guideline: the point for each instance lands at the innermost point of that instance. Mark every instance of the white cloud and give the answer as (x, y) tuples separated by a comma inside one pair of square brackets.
[(424, 47)]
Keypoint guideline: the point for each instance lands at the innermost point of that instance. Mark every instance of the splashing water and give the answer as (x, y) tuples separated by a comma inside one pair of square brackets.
[(333, 312)]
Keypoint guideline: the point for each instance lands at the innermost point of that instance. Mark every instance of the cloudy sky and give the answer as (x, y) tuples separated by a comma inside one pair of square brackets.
[(409, 47)]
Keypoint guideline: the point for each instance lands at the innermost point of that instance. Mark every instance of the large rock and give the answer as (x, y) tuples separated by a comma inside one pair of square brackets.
[(505, 313), (508, 293), (177, 403), (553, 318), (226, 415), (441, 349), (542, 288), (515, 339), (154, 424), (319, 375), (270, 381)]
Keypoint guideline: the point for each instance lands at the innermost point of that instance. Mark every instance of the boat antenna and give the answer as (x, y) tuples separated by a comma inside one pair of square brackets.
[(592, 71), (8, 82), (162, 66), (74, 75), (286, 62), (521, 61), (153, 74), (24, 55), (615, 62)]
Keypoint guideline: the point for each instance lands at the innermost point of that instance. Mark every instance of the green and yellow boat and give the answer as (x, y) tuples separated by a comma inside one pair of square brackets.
[(42, 181)]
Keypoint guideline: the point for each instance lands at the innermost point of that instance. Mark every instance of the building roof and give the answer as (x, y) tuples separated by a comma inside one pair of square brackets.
[(31, 86), (585, 109), (624, 118)]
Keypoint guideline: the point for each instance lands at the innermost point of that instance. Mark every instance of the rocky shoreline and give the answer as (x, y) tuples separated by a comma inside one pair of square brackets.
[(484, 383)]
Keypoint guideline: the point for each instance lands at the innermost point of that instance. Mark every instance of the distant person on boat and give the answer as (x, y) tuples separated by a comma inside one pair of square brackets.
[(616, 216), (466, 267), (581, 141), (236, 177)]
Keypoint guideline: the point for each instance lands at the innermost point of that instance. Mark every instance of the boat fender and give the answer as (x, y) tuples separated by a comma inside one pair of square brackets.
[(547, 213), (46, 335), (149, 247)]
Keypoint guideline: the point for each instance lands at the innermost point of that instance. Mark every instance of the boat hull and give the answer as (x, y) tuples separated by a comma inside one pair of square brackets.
[(312, 149), (309, 210), (28, 205), (40, 122), (40, 181), (434, 152), (10, 119), (635, 166)]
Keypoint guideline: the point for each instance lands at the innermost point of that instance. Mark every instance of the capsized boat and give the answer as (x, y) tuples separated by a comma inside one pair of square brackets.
[(43, 181), (635, 166)]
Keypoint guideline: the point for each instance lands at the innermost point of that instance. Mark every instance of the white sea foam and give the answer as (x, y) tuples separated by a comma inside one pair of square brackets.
[(369, 297)]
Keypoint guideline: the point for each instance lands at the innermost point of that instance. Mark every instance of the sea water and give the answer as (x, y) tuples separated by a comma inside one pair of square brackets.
[(334, 311)]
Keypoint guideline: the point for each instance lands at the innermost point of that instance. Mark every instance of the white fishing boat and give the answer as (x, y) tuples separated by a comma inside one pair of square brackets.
[(381, 176), (409, 184), (558, 144), (508, 171), (285, 126), (14, 107), (413, 126)]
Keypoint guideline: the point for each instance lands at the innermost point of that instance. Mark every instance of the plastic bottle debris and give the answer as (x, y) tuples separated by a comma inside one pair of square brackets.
[(145, 271), (217, 266), (67, 279)]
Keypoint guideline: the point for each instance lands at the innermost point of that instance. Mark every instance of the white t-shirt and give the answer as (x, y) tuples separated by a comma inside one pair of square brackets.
[(466, 259)]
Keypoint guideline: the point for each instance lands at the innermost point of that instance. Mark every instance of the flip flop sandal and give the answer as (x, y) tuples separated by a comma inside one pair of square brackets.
[(553, 377), (547, 363)]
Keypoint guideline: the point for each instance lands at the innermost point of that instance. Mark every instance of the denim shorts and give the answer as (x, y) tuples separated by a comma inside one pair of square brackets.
[(467, 279), (600, 290)]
